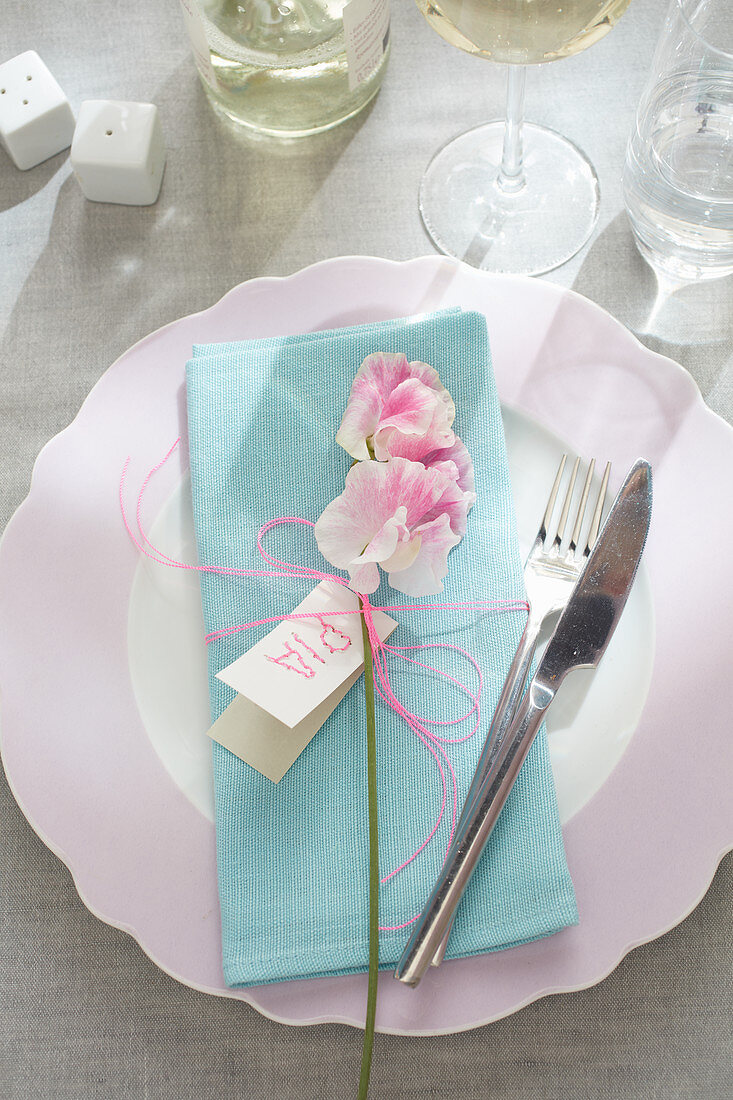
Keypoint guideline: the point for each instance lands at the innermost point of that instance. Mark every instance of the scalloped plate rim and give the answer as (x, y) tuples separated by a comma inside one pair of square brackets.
[(660, 361)]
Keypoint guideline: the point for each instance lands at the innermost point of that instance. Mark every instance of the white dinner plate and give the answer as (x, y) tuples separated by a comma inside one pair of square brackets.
[(102, 667)]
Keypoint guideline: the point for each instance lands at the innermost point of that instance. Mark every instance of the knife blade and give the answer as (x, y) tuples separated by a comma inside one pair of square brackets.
[(579, 640)]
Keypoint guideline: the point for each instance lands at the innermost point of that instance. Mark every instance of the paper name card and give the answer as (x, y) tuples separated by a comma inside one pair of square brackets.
[(290, 681)]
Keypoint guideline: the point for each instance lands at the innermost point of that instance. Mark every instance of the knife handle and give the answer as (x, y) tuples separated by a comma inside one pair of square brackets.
[(437, 914), (511, 693)]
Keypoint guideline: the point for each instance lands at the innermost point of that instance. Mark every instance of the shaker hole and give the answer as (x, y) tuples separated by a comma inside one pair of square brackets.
[(25, 100), (108, 133), (29, 77)]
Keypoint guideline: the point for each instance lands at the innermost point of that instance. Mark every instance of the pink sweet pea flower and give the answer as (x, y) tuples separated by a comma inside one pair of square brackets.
[(396, 515), (396, 408)]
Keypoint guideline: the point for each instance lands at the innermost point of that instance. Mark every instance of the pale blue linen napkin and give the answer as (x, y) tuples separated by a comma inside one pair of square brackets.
[(292, 857)]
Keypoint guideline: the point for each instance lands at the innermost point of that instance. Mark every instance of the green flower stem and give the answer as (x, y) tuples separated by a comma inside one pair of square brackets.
[(371, 1009)]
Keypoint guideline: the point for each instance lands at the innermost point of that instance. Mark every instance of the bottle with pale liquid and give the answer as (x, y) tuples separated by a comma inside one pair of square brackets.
[(289, 67)]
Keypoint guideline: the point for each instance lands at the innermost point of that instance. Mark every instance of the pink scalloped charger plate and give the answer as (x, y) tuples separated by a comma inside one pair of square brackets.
[(102, 667)]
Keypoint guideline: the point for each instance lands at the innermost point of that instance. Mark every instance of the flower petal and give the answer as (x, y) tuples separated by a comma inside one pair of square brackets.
[(404, 555), (364, 578), (380, 507), (408, 411), (368, 392), (425, 576), (455, 462), (374, 382), (437, 435), (414, 486), (457, 454), (386, 541)]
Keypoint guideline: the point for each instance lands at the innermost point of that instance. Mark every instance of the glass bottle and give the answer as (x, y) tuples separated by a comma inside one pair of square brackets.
[(289, 67)]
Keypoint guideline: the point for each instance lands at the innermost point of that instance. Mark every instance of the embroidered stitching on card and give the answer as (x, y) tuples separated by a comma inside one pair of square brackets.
[(328, 627), (305, 645), (304, 669)]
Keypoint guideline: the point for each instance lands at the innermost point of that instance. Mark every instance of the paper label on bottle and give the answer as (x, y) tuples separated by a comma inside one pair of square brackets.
[(199, 44), (366, 35), (289, 682)]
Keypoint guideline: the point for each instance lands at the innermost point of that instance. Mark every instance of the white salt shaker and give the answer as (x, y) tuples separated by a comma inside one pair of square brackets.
[(118, 153), (36, 121)]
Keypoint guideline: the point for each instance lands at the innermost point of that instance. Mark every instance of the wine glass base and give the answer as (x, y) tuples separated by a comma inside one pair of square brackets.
[(532, 230)]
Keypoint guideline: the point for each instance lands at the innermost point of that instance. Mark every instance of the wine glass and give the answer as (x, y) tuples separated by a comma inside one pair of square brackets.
[(510, 196)]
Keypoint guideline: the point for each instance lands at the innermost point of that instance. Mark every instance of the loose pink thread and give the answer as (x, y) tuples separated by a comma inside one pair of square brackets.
[(380, 650)]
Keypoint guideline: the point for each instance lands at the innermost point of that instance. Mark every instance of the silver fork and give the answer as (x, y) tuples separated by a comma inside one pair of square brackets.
[(549, 576)]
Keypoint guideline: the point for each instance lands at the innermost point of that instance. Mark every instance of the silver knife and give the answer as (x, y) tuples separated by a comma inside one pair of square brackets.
[(579, 640)]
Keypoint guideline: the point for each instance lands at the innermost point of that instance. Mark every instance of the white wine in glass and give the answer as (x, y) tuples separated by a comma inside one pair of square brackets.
[(511, 196)]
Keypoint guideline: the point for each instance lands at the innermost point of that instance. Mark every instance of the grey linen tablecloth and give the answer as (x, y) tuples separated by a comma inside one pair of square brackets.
[(83, 1013)]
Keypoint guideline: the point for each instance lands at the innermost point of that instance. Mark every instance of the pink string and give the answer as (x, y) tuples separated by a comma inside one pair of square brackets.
[(419, 725)]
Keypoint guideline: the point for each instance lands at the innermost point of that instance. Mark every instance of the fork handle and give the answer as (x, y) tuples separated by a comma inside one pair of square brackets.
[(506, 708)]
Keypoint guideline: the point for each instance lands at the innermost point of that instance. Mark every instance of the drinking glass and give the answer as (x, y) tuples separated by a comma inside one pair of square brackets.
[(510, 196), (678, 179)]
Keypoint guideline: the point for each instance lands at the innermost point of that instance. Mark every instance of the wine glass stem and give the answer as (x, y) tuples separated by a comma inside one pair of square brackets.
[(510, 178)]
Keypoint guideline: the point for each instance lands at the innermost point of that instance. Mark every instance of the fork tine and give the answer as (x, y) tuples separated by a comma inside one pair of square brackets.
[(566, 507), (542, 533), (596, 521), (573, 544)]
